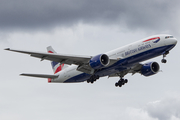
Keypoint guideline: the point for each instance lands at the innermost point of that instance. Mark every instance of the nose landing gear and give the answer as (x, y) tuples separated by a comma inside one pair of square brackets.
[(163, 60), (164, 55)]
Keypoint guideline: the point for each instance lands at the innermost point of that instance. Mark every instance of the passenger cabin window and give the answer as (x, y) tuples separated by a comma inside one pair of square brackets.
[(168, 37)]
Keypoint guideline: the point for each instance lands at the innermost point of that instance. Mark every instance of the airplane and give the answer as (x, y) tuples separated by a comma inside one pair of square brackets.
[(115, 63)]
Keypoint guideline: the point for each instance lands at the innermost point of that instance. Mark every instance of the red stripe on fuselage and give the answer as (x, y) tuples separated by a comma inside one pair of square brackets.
[(151, 39)]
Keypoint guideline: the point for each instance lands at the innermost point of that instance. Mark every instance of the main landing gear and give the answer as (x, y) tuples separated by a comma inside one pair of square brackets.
[(121, 82), (92, 79), (164, 55)]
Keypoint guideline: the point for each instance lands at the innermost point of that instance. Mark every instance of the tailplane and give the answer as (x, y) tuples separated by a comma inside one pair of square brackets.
[(56, 66)]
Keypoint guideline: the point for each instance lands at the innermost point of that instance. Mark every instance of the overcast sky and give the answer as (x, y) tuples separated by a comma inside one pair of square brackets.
[(85, 27)]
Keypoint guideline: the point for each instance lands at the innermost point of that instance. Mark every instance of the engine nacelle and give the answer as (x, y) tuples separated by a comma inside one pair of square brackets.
[(150, 68), (99, 61)]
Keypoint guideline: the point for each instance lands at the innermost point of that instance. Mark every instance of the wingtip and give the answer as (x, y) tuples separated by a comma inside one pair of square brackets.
[(7, 49)]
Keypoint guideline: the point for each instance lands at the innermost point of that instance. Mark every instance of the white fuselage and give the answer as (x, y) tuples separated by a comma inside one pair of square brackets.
[(124, 52)]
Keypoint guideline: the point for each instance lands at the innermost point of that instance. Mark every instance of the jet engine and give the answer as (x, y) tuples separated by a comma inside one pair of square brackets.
[(150, 68), (99, 61)]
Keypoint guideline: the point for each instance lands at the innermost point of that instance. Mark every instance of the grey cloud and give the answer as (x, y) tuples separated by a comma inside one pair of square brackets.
[(42, 14), (164, 109)]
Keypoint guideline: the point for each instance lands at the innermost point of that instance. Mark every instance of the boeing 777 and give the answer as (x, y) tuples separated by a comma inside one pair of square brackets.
[(115, 63)]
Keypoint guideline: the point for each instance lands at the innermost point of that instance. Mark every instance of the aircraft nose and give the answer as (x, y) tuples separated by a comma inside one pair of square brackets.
[(172, 41)]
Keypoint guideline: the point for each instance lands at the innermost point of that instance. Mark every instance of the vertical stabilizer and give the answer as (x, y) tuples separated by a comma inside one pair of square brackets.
[(56, 66)]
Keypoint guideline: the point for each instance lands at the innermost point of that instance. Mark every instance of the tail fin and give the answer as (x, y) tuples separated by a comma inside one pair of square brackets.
[(56, 66)]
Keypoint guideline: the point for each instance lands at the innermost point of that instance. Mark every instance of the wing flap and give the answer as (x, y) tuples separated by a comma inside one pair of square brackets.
[(136, 68), (39, 75)]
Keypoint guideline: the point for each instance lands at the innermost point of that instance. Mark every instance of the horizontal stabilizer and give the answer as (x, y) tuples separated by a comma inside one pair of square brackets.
[(39, 75)]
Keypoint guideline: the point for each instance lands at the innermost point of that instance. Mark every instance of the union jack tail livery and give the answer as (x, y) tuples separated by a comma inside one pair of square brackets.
[(56, 66)]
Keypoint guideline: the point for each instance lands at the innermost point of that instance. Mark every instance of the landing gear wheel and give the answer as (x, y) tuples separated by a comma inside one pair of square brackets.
[(120, 85), (88, 81), (125, 81), (163, 60), (116, 84), (164, 55), (92, 79), (121, 82)]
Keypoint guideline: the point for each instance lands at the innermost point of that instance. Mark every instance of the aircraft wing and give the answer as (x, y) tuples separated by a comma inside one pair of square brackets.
[(81, 61), (136, 68), (66, 59), (39, 75)]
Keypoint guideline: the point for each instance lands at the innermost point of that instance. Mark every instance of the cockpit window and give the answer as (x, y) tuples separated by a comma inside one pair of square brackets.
[(168, 37)]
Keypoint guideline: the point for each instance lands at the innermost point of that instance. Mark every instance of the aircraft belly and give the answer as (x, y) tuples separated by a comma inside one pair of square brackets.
[(78, 78)]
